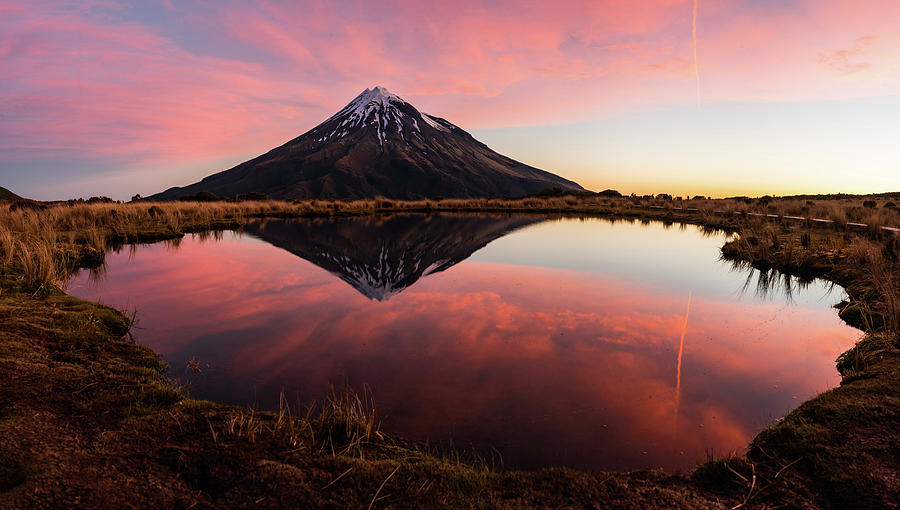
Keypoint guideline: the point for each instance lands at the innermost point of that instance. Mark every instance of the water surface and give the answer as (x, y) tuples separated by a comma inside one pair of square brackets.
[(555, 342)]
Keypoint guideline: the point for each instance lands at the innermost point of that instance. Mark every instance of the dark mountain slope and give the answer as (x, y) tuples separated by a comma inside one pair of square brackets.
[(379, 145), (6, 194)]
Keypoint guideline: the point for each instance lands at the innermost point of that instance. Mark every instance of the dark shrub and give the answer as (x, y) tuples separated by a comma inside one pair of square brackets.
[(201, 196), (252, 196), (27, 205), (99, 200)]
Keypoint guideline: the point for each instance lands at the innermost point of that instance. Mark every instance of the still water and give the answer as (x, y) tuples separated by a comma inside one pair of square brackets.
[(580, 343)]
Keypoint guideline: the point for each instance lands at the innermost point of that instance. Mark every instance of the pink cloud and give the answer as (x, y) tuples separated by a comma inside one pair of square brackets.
[(215, 83)]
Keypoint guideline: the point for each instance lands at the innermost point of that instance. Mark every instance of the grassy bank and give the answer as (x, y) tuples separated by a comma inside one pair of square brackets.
[(844, 444), (87, 418), (46, 241)]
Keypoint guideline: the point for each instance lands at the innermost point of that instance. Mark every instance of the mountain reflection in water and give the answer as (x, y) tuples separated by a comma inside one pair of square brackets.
[(381, 256), (557, 344)]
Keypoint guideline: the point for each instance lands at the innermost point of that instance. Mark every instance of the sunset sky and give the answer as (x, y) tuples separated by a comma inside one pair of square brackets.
[(117, 98)]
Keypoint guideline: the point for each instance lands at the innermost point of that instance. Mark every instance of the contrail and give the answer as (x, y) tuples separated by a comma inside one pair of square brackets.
[(696, 63), (680, 352)]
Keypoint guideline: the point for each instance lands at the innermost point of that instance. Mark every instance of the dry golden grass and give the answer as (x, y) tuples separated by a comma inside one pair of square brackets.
[(344, 424), (45, 242), (866, 263), (881, 272)]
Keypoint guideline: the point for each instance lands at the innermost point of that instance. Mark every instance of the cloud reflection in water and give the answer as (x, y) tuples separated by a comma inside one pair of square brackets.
[(560, 362)]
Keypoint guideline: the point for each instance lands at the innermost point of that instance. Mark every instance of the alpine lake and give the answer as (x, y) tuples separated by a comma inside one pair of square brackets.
[(532, 341)]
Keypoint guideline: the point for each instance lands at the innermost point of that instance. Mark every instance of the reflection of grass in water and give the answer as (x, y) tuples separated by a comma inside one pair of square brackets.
[(788, 260), (770, 283)]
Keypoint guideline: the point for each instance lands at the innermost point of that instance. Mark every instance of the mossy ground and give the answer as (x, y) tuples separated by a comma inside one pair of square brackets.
[(88, 419)]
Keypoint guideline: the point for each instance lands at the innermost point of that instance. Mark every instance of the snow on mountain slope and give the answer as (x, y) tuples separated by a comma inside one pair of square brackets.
[(379, 145), (382, 109)]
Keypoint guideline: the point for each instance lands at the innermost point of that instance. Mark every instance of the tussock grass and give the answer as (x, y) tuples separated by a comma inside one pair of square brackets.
[(866, 265), (882, 276), (344, 424), (44, 245)]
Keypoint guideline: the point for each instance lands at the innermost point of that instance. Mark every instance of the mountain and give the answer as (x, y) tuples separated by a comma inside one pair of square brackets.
[(382, 256), (6, 194), (379, 145)]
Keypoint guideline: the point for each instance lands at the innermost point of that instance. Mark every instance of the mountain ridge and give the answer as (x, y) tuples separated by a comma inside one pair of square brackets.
[(379, 145), (6, 194)]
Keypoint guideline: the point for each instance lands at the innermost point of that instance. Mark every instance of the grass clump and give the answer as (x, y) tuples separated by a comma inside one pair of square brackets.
[(153, 397), (868, 352)]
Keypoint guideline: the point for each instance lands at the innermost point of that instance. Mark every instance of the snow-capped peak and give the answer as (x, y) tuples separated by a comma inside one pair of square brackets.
[(378, 106), (378, 94)]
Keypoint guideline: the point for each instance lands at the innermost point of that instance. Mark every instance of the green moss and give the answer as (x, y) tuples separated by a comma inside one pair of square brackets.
[(153, 398)]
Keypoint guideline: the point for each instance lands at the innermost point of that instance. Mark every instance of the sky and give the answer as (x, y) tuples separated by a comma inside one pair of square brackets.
[(107, 97)]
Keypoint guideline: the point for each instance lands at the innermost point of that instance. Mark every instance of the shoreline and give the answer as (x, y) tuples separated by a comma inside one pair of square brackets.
[(807, 458)]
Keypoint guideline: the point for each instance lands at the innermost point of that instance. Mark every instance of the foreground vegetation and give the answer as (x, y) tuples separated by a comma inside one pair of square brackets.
[(88, 418)]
